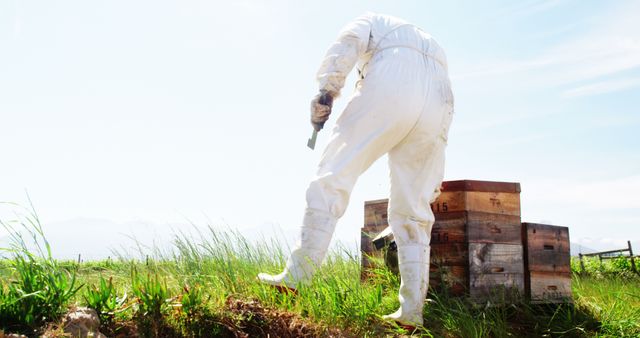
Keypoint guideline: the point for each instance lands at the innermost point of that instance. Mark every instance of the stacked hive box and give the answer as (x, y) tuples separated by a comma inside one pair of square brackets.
[(476, 245), (375, 220), (547, 263)]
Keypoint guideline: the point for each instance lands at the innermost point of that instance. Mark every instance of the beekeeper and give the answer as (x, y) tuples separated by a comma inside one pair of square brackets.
[(402, 106)]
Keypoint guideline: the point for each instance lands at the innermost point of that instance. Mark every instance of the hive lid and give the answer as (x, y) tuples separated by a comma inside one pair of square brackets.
[(483, 186)]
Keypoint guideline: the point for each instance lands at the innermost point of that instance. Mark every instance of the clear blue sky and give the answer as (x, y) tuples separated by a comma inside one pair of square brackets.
[(133, 116)]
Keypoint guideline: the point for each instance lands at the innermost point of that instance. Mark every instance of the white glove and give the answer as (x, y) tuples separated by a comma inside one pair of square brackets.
[(321, 109)]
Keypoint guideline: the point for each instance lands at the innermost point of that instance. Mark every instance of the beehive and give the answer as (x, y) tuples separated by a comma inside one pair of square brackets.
[(476, 246), (547, 263), (477, 253), (375, 221)]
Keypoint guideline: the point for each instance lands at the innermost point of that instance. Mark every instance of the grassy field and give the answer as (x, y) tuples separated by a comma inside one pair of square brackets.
[(206, 287)]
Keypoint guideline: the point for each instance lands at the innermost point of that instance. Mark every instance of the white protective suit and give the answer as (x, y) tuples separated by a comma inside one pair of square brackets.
[(402, 106)]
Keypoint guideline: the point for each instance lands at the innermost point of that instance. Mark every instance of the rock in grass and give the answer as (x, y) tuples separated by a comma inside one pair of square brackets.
[(82, 322)]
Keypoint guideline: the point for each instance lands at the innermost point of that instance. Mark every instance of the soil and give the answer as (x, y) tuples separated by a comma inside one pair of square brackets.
[(251, 319), (240, 319)]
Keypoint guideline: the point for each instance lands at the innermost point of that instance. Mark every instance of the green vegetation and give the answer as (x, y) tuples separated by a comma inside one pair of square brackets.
[(613, 301), (206, 287), (104, 300), (39, 289), (613, 267)]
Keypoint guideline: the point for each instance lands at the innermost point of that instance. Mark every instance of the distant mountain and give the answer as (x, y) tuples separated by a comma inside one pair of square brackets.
[(580, 249)]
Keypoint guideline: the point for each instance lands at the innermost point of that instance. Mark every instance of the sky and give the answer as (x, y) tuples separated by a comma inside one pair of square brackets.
[(137, 119)]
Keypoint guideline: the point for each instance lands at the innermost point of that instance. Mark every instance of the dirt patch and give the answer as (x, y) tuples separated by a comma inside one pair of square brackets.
[(238, 319), (251, 319)]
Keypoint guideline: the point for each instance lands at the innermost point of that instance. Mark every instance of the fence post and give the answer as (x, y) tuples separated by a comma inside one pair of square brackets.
[(633, 263), (581, 264)]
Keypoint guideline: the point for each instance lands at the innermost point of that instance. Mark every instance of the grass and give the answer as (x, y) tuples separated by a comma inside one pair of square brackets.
[(614, 301), (39, 289), (206, 287)]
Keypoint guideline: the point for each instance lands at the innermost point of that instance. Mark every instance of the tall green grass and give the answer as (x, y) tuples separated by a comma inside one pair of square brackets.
[(36, 289), (226, 264), (613, 301), (185, 291)]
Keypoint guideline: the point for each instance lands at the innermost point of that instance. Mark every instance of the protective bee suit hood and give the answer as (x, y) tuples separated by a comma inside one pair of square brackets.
[(402, 106)]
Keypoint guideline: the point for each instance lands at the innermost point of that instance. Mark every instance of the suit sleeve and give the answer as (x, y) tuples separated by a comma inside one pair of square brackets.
[(343, 54)]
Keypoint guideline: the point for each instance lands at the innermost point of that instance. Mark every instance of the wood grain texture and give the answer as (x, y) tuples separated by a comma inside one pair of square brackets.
[(449, 201), (549, 287), (450, 254), (451, 279), (493, 202), (489, 202), (547, 247), (375, 213), (498, 288), (548, 234), (489, 258), (485, 227), (466, 226), (451, 229)]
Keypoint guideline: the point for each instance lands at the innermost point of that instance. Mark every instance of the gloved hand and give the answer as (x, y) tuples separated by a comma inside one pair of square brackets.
[(321, 109)]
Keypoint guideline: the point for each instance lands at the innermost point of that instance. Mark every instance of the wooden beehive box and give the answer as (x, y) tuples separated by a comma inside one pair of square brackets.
[(476, 246), (375, 220), (547, 263), (482, 196), (472, 250)]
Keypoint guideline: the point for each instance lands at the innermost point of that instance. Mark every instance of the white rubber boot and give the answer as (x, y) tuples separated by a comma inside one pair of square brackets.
[(307, 255), (413, 263)]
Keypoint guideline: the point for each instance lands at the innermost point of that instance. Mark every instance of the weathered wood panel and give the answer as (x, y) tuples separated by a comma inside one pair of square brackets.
[(549, 287), (485, 227), (547, 247), (462, 227), (452, 279), (450, 229), (458, 227), (493, 202), (449, 201), (490, 202), (375, 213), (540, 235), (496, 272), (489, 258), (549, 261), (450, 254), (496, 287)]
